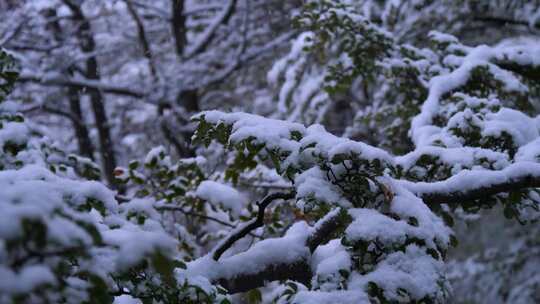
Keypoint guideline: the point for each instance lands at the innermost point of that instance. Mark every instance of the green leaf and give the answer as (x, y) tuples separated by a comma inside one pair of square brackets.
[(254, 296), (99, 292), (165, 267), (133, 165), (453, 241)]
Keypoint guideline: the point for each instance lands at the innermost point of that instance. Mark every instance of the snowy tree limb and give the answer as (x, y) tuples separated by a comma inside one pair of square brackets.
[(454, 190), (471, 185), (298, 270)]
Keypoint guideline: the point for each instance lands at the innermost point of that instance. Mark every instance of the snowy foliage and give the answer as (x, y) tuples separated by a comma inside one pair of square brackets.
[(301, 205)]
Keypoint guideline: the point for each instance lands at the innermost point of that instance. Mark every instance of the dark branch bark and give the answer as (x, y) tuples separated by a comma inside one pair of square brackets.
[(252, 225), (246, 58), (189, 98), (195, 214), (51, 110), (181, 146)]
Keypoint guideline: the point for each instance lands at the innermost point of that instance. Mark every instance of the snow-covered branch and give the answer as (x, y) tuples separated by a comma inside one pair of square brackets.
[(286, 258), (469, 185)]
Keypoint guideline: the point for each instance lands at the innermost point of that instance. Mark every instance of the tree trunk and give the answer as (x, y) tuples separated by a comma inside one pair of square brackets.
[(102, 124), (178, 26), (88, 45), (86, 148)]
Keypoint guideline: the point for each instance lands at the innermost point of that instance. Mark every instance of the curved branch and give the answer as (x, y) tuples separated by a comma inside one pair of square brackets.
[(251, 225), (245, 58)]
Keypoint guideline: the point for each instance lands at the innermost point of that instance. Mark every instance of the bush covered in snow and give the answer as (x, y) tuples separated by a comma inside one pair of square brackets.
[(282, 210)]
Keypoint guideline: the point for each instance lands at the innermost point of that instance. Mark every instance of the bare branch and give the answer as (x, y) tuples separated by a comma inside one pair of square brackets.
[(195, 214), (6, 38), (247, 57), (81, 83), (251, 225), (58, 112), (210, 32), (141, 33)]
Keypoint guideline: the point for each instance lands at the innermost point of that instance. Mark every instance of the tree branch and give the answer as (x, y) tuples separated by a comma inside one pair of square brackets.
[(195, 214), (503, 21), (467, 185), (75, 120), (81, 83), (210, 32), (245, 58), (471, 185), (141, 33), (325, 228), (252, 225), (297, 269)]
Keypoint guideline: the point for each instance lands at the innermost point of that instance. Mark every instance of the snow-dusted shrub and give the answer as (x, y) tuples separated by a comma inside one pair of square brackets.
[(309, 216), (64, 238)]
